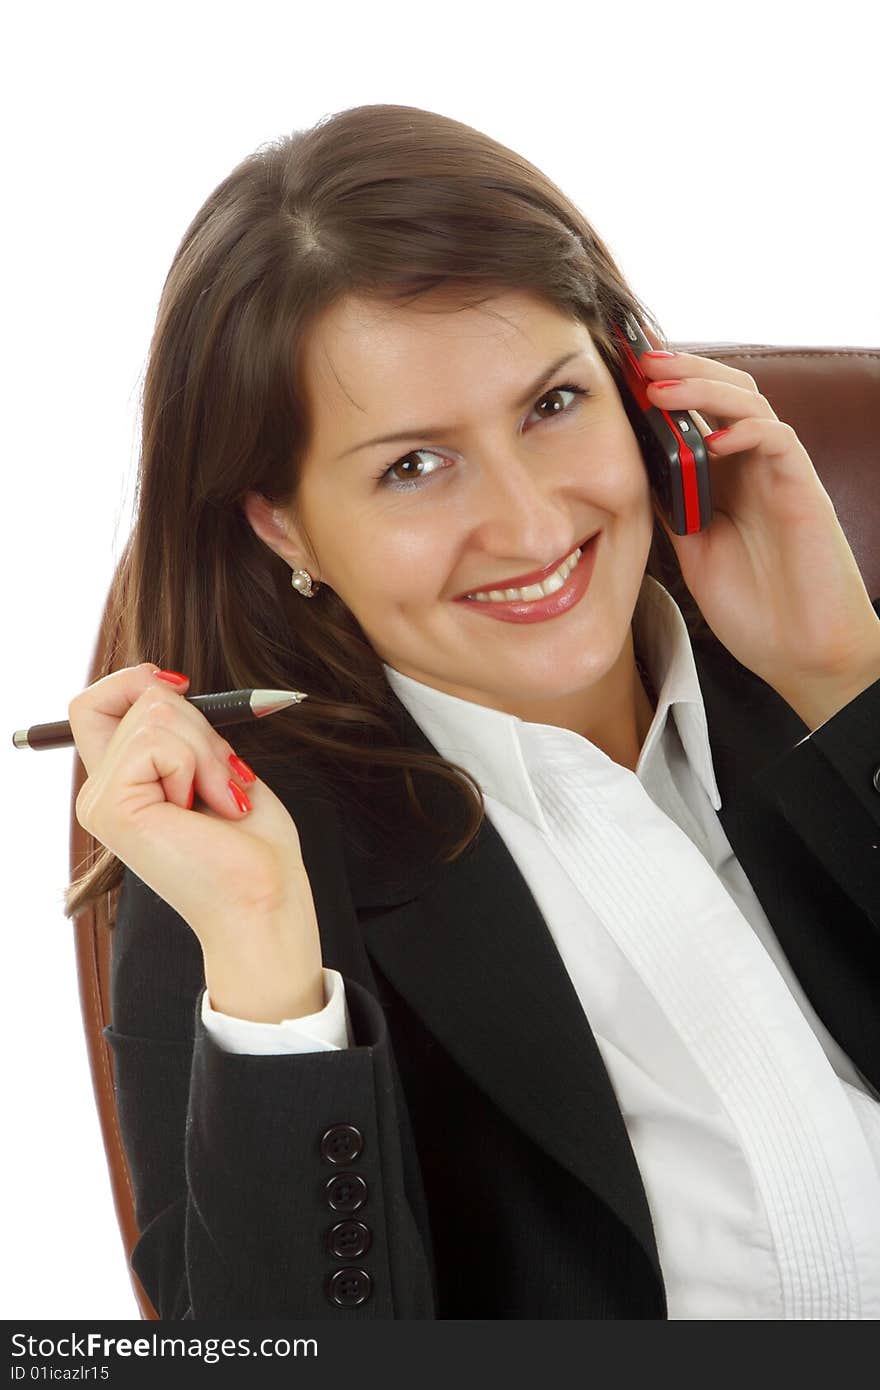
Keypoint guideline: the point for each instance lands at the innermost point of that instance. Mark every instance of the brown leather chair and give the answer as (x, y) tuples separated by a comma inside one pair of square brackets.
[(831, 396)]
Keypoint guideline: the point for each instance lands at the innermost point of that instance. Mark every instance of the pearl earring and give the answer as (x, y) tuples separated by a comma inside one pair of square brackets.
[(302, 582)]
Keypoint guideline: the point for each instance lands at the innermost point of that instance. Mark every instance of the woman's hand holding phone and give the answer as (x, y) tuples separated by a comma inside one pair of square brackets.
[(236, 876), (773, 574)]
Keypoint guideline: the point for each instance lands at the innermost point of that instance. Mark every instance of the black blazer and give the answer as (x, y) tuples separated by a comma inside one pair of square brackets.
[(470, 1138)]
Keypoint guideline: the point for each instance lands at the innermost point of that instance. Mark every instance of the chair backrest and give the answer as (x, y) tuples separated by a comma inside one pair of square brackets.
[(831, 397)]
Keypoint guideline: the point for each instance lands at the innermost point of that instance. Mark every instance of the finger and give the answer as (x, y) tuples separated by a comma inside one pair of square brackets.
[(201, 728), (94, 713), (722, 399), (701, 423), (165, 708), (776, 439), (104, 714), (128, 813), (154, 760), (690, 365)]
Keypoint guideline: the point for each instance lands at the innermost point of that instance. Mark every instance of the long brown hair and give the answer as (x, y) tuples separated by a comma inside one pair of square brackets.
[(390, 201)]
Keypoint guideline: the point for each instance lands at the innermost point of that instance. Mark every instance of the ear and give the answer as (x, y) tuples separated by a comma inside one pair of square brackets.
[(278, 531)]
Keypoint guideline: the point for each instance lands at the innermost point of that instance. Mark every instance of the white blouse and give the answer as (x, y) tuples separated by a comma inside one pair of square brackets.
[(757, 1139)]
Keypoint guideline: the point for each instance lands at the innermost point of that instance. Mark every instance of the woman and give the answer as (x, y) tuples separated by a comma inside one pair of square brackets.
[(528, 968)]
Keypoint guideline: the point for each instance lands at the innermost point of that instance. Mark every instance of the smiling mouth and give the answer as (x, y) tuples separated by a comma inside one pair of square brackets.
[(552, 581)]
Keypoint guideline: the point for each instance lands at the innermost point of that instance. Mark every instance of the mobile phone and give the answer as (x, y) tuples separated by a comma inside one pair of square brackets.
[(672, 446)]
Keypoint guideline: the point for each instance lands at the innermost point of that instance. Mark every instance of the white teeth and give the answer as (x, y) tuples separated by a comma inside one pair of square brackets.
[(531, 591)]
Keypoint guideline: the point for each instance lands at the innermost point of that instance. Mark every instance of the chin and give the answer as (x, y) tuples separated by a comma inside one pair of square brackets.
[(531, 685)]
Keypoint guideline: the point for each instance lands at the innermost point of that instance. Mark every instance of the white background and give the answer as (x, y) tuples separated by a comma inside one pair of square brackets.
[(725, 153)]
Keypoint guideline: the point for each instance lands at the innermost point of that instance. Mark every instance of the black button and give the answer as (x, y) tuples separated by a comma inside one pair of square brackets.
[(349, 1287), (346, 1192), (341, 1144), (349, 1239)]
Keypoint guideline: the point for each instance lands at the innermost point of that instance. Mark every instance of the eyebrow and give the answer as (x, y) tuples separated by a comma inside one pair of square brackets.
[(424, 431)]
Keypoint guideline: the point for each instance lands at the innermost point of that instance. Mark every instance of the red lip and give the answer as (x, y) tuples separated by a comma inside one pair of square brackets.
[(521, 580)]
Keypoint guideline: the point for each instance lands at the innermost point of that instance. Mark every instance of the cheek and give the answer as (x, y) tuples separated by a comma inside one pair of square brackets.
[(398, 564), (616, 474)]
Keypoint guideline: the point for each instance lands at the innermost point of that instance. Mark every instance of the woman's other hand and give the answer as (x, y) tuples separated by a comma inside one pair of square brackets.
[(234, 874)]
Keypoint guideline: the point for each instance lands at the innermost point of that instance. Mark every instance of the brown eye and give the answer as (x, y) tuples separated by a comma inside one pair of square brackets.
[(557, 391), (406, 480)]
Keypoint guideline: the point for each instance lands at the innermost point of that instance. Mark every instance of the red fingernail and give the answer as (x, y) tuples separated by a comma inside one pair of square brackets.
[(192, 792), (707, 439), (671, 382), (238, 797), (658, 352), (240, 766), (173, 677)]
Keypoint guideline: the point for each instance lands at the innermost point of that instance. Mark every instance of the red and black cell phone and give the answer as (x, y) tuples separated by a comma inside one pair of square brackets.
[(672, 446)]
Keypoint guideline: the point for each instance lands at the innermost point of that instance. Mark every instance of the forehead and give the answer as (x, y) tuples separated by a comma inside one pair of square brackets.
[(362, 355)]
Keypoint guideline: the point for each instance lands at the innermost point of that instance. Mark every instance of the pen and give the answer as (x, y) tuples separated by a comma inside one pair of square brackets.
[(227, 707)]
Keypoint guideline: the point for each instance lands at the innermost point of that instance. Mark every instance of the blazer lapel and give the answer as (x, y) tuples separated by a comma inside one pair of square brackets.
[(467, 947)]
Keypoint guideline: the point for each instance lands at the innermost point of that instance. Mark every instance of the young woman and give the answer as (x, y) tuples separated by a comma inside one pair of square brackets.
[(528, 969)]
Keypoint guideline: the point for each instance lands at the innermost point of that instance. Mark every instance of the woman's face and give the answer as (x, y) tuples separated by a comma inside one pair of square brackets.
[(479, 488)]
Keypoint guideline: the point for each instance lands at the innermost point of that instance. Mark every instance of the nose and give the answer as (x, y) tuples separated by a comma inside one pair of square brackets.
[(518, 513)]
